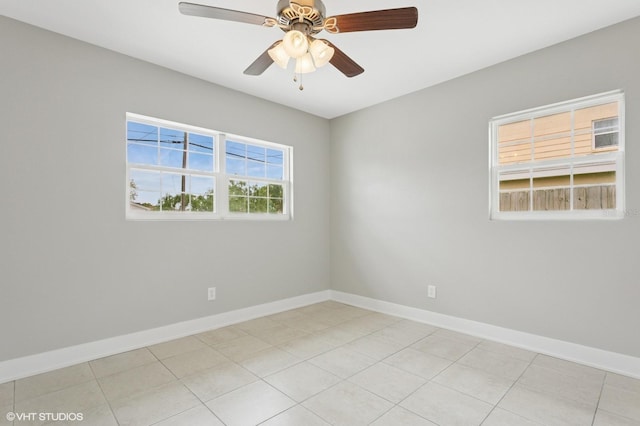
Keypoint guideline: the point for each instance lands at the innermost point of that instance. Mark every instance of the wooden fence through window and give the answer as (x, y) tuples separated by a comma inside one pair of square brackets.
[(584, 198)]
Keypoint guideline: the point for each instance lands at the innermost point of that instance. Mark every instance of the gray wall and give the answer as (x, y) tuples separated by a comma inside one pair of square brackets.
[(410, 203), (72, 270)]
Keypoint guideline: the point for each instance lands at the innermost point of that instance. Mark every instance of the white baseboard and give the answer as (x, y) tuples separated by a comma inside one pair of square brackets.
[(47, 361), (610, 361)]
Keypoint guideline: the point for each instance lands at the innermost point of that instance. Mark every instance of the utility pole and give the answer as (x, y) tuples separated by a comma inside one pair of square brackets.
[(184, 166)]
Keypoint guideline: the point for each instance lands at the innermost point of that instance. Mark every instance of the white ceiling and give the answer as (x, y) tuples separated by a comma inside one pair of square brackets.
[(453, 37)]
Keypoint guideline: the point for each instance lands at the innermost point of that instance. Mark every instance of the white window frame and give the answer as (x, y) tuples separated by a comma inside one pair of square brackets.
[(221, 178), (612, 161)]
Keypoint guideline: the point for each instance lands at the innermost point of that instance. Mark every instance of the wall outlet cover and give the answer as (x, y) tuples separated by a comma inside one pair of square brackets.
[(431, 291)]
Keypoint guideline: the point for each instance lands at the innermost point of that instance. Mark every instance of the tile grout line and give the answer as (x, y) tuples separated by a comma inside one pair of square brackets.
[(397, 404), (299, 403), (113, 413), (62, 389), (13, 403), (509, 390), (177, 381), (346, 379), (431, 379), (595, 413)]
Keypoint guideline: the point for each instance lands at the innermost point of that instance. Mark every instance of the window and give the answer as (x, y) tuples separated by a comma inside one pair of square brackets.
[(605, 133), (257, 172), (175, 171), (559, 161)]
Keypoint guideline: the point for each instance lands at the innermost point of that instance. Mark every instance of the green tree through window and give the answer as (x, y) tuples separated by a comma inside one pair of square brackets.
[(172, 170)]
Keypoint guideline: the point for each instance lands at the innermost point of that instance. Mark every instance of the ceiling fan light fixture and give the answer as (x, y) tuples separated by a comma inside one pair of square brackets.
[(301, 20), (304, 64), (279, 55), (321, 52), (295, 43)]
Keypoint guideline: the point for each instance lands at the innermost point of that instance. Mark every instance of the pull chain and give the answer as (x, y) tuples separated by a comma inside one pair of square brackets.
[(297, 78)]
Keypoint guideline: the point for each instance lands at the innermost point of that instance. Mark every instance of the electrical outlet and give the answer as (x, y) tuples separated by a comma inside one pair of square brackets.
[(211, 293), (431, 291)]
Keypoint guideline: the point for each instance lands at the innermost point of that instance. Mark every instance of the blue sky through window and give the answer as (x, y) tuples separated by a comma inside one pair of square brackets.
[(173, 169), (159, 146), (254, 161)]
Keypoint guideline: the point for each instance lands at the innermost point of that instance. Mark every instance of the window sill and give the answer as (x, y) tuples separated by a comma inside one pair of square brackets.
[(558, 215), (191, 217)]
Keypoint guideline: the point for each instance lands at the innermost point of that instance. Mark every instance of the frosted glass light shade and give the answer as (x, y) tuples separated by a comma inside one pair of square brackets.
[(295, 43), (304, 64), (321, 52), (279, 55)]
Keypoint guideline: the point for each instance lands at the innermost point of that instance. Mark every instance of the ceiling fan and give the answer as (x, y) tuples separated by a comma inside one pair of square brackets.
[(301, 20)]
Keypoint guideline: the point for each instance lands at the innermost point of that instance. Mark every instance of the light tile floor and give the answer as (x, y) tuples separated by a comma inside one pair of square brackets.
[(328, 364)]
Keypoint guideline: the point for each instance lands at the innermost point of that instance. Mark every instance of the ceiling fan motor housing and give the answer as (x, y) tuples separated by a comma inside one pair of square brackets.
[(312, 22)]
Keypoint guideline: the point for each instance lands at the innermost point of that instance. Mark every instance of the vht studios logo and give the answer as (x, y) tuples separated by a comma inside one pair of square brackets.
[(625, 213), (45, 417)]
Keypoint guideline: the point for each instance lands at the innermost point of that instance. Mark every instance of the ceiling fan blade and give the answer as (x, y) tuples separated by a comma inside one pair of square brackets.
[(261, 64), (193, 9), (389, 19), (343, 63)]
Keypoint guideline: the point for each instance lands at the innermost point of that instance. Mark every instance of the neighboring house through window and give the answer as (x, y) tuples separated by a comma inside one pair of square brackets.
[(559, 161)]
